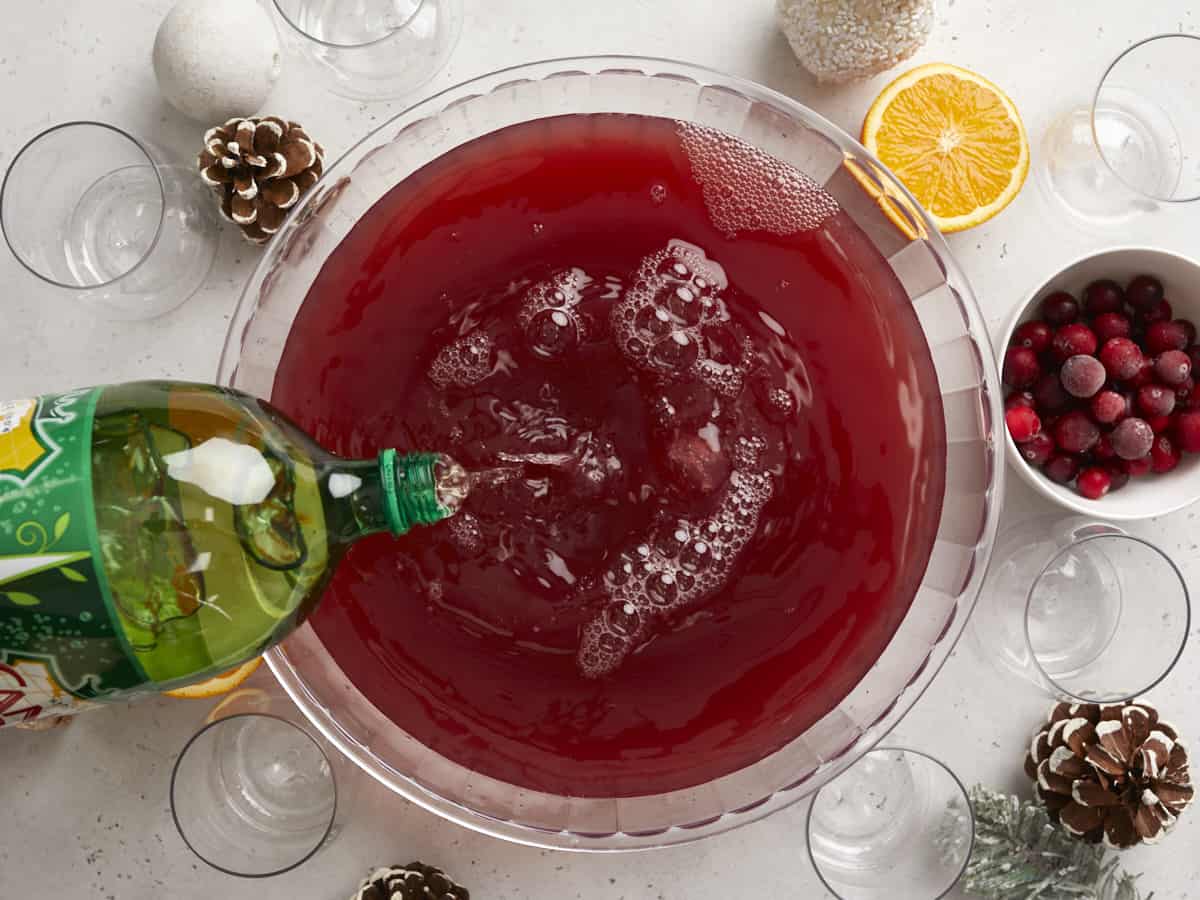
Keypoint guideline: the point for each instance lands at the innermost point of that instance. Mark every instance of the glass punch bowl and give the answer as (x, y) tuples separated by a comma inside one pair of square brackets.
[(967, 379)]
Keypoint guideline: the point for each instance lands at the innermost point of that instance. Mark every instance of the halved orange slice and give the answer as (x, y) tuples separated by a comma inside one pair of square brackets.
[(954, 139)]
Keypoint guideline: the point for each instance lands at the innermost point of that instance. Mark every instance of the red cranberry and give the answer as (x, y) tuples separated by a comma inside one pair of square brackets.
[(1144, 376), (1159, 424), (1060, 308), (1135, 467), (1187, 431), (1183, 392), (1173, 367), (1074, 340), (1093, 483), (1156, 400), (1034, 335), (1164, 455), (1164, 336), (1049, 395), (1104, 449), (1076, 433), (1159, 312), (1061, 468), (1122, 358), (1143, 292), (1082, 376), (1119, 476), (1103, 297), (1018, 398), (1021, 367), (1131, 439), (1188, 328), (1037, 449), (1110, 325), (1193, 353), (1023, 423), (1108, 407)]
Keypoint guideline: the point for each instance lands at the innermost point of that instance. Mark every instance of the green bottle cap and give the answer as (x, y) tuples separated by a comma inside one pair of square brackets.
[(410, 490)]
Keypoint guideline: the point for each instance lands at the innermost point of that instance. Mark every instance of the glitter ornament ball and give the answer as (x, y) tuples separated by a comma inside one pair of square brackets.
[(844, 40), (216, 59)]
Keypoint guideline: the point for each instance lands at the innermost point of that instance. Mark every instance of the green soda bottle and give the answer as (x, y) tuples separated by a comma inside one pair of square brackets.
[(155, 534)]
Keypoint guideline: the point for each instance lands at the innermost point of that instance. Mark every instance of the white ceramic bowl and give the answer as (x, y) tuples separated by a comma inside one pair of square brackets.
[(1148, 495)]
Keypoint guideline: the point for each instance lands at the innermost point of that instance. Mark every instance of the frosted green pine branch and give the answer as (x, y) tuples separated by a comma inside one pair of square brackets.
[(1020, 854)]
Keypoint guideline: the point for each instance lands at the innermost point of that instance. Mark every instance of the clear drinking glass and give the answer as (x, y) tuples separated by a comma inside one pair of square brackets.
[(1082, 609), (373, 49), (1138, 144), (91, 209), (256, 792), (898, 823)]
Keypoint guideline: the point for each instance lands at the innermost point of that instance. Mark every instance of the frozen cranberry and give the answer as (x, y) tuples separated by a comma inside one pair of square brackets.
[(1164, 455), (1082, 376), (1131, 439), (1023, 423), (1034, 335), (1104, 449), (1049, 395), (697, 468), (1122, 358), (1110, 325), (1159, 312), (1183, 392), (1188, 328), (1164, 336), (1119, 476), (1076, 433), (1193, 353), (1021, 367), (1103, 297), (1156, 400), (1159, 424), (1018, 398), (1187, 430), (1061, 468), (1093, 482), (1173, 367), (1136, 467), (1037, 449), (1060, 308), (1074, 340), (1108, 407), (1143, 292), (1144, 376)]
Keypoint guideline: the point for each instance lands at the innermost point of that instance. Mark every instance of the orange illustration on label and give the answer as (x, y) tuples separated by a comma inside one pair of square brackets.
[(20, 449)]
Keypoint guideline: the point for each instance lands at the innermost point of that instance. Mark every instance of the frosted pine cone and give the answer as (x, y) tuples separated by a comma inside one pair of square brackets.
[(1112, 773), (416, 881), (260, 168), (841, 40)]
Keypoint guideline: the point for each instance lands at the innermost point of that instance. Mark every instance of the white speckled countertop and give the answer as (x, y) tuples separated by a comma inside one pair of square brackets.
[(83, 810)]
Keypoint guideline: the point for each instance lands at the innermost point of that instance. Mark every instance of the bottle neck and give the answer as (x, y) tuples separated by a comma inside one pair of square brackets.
[(394, 493)]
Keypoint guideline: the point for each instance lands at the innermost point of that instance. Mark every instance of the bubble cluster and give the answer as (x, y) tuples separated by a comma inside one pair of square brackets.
[(661, 320), (746, 189), (678, 565), (467, 534), (464, 363), (549, 315)]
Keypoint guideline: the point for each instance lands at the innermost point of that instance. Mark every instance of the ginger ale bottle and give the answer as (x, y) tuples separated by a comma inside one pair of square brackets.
[(155, 534)]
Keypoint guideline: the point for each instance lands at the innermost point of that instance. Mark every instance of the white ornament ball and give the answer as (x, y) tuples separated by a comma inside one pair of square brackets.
[(216, 59), (844, 40)]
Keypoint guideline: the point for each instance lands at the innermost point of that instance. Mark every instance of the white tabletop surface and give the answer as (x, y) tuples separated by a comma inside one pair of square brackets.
[(83, 810)]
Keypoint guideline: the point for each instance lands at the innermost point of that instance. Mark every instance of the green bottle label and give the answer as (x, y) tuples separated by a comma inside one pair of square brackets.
[(59, 644)]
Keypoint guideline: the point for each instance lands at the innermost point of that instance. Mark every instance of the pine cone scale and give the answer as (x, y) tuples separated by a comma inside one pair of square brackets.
[(259, 168)]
